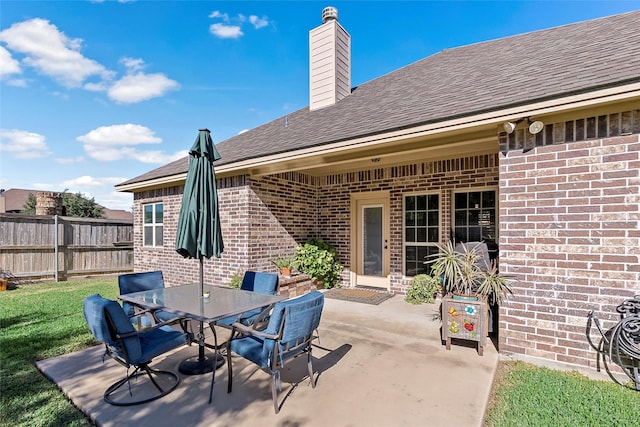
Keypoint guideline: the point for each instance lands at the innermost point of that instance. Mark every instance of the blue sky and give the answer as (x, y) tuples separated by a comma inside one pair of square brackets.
[(96, 92)]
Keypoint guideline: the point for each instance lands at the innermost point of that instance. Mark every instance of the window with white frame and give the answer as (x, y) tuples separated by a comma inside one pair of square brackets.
[(152, 224), (421, 231)]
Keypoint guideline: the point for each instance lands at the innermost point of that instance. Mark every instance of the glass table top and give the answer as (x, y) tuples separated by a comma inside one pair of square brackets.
[(186, 300)]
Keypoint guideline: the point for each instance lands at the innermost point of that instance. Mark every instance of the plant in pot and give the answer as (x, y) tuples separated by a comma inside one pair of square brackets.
[(285, 264), (423, 289), (5, 278), (465, 274)]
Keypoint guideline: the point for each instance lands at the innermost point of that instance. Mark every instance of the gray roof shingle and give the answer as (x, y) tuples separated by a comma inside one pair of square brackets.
[(457, 82)]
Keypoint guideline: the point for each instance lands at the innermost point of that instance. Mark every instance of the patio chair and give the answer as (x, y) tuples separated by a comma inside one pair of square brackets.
[(131, 348), (145, 281), (288, 334), (264, 283)]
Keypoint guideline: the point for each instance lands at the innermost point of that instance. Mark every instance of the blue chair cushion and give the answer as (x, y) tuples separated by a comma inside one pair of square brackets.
[(145, 281), (302, 316), (159, 341), (141, 347), (262, 283)]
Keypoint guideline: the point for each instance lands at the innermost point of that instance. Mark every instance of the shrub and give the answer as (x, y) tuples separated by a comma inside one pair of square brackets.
[(423, 289), (319, 260), (236, 281)]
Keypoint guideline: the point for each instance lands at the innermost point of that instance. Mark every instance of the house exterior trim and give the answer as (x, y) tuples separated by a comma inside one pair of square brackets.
[(488, 120)]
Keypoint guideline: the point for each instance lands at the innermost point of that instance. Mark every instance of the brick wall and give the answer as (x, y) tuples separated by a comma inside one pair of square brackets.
[(569, 231), (442, 177), (269, 216), (260, 218)]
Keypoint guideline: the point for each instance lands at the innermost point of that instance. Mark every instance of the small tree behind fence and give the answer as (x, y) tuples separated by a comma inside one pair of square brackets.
[(58, 247)]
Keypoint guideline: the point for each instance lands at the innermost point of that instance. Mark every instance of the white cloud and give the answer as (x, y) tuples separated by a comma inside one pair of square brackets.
[(258, 22), (133, 64), (17, 82), (117, 142), (8, 65), (23, 144), (117, 135), (116, 200), (218, 14), (226, 31), (52, 53), (138, 86), (89, 181), (232, 27), (69, 160)]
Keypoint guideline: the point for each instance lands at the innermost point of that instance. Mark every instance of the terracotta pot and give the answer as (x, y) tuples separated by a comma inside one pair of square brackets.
[(285, 271), (3, 285)]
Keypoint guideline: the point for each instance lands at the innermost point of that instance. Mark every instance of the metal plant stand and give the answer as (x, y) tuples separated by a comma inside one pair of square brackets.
[(620, 344)]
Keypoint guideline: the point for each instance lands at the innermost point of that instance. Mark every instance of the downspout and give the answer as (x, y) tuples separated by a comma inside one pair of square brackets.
[(55, 246)]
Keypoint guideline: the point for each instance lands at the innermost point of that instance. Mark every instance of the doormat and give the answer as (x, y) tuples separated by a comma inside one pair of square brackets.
[(364, 296)]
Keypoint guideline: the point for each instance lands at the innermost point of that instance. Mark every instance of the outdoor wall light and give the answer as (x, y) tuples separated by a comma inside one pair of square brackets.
[(534, 127), (509, 127)]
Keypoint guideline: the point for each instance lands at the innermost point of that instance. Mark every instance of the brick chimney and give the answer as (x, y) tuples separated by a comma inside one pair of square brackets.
[(49, 203), (329, 61)]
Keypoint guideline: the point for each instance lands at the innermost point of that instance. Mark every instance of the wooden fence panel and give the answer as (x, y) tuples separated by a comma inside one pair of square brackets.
[(85, 246)]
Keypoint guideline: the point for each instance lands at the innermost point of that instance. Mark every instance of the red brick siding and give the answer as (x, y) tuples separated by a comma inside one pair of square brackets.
[(269, 216), (260, 218), (441, 176), (569, 232)]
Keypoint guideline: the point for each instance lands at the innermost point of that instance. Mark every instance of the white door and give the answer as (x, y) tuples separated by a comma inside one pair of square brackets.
[(370, 239)]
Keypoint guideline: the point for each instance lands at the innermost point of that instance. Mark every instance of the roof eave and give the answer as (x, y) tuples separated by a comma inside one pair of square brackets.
[(545, 107)]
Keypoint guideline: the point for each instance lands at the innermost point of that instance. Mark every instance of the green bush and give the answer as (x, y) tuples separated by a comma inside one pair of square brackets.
[(236, 281), (319, 260), (423, 289)]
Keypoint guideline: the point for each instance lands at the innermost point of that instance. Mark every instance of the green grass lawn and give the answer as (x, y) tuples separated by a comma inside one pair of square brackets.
[(43, 320), (526, 395), (38, 321)]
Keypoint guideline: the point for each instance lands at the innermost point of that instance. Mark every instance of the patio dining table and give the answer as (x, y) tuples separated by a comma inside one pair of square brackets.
[(187, 301)]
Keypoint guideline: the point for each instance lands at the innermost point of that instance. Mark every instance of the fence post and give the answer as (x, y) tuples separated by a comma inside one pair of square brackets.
[(55, 247)]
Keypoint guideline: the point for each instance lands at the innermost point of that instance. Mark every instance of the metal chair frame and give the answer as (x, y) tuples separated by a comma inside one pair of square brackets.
[(117, 350), (301, 345)]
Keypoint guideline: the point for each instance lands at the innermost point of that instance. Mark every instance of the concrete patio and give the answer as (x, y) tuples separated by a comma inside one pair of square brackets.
[(378, 365)]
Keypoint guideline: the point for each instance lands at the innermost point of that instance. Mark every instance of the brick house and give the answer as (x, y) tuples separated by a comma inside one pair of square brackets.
[(385, 170)]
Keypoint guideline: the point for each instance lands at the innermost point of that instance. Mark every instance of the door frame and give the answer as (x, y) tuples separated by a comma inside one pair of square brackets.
[(358, 200)]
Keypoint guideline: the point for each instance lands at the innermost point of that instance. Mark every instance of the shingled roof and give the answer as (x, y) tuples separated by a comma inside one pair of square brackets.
[(464, 81)]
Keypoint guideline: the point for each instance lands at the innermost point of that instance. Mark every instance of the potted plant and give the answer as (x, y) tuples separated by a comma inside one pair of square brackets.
[(285, 264), (423, 289), (5, 278), (457, 270), (464, 274), (470, 284)]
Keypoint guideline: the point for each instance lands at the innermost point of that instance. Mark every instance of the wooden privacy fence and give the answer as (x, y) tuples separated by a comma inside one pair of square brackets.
[(59, 247)]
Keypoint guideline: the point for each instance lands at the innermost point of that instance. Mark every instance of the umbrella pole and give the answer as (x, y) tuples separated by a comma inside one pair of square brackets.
[(200, 364), (201, 339)]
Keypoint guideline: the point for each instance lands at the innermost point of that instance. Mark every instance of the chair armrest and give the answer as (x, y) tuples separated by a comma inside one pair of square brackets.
[(248, 330)]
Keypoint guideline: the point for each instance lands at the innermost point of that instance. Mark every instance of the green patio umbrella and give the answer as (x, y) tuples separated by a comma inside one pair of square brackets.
[(199, 234)]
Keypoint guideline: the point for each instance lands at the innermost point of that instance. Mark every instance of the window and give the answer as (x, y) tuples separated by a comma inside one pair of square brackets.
[(152, 224), (421, 231), (475, 216)]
